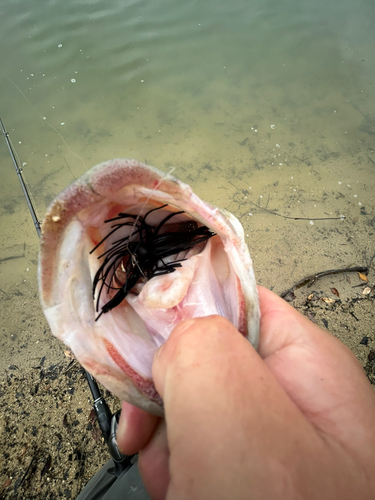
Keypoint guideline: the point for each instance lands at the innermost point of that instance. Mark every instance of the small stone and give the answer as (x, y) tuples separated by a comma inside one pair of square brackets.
[(365, 340)]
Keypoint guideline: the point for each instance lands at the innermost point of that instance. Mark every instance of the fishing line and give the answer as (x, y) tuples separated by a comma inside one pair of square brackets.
[(172, 169), (48, 123)]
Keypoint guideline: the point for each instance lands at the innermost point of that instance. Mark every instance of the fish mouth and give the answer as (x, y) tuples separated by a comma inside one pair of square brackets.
[(153, 265), (134, 251), (126, 254)]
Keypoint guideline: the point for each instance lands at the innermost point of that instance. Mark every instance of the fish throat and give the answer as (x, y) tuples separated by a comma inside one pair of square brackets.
[(147, 251)]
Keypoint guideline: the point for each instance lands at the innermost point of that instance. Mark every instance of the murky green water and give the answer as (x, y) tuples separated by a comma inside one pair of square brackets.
[(256, 104)]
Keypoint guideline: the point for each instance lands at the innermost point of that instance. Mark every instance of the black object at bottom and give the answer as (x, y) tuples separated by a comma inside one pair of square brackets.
[(107, 485)]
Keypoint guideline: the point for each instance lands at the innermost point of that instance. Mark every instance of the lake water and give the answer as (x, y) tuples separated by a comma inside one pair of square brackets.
[(269, 103)]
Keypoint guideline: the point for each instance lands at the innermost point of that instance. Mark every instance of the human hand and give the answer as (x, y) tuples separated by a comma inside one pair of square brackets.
[(294, 420)]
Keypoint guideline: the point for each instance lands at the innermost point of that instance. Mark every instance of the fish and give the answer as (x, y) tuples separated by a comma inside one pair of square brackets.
[(126, 253)]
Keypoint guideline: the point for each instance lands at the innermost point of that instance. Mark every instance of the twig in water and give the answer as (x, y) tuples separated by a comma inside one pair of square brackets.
[(27, 471), (67, 164), (70, 366), (268, 200), (309, 280), (342, 217)]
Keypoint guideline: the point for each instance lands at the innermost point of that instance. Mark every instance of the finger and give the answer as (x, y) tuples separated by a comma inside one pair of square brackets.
[(317, 371), (135, 428), (221, 401), (153, 463)]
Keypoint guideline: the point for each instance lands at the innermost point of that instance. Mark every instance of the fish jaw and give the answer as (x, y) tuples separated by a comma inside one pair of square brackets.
[(118, 349)]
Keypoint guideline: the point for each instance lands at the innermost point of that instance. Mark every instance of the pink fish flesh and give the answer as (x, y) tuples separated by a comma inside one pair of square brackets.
[(205, 268)]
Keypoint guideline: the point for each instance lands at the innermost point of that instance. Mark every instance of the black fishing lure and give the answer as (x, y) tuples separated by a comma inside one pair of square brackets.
[(142, 258)]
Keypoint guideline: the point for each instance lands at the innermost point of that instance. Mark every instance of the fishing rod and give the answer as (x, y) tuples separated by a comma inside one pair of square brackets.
[(108, 423), (20, 177)]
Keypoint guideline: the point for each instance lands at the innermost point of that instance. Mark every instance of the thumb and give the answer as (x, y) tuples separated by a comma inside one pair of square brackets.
[(220, 398)]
